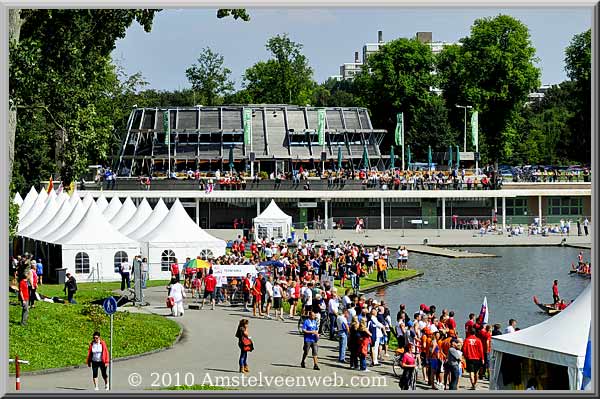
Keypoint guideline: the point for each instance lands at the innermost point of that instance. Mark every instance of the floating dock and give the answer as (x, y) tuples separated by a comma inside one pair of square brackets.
[(448, 253)]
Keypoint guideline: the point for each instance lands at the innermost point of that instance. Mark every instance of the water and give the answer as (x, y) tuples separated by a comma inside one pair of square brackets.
[(509, 282)]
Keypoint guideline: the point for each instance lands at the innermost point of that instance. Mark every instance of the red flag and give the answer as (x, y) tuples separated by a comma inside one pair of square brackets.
[(50, 185)]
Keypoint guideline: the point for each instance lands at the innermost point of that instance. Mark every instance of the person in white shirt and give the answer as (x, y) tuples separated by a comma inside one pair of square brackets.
[(376, 329), (278, 300), (125, 274), (177, 292), (269, 296), (333, 310), (343, 329), (512, 324)]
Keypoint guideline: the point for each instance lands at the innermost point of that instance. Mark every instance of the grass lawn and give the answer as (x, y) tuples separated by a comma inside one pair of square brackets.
[(370, 280), (58, 335)]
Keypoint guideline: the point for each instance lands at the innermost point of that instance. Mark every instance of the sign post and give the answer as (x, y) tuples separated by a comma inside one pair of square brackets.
[(110, 307)]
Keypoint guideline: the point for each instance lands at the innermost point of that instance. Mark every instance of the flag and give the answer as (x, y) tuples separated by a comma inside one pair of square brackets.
[(71, 188), (408, 155), (586, 384), (457, 157), (166, 127), (321, 125), (60, 189), (339, 158), (400, 129), (484, 314), (247, 126), (365, 158), (429, 157), (392, 158), (450, 157), (231, 158), (50, 185), (475, 128)]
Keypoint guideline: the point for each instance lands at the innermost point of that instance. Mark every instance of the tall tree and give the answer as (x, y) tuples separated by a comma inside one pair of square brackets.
[(286, 78), (493, 71), (209, 77)]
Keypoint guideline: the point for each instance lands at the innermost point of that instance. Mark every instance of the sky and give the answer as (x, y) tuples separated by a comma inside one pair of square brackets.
[(329, 37)]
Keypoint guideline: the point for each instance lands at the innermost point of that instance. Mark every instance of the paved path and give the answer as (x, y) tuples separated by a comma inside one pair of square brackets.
[(445, 252), (447, 238), (209, 350)]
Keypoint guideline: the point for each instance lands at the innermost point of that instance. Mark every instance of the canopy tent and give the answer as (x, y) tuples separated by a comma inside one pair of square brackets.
[(35, 209), (177, 236), (552, 352), (101, 203), (113, 207), (124, 215), (17, 199), (272, 222), (94, 248), (28, 201), (70, 222), (50, 210), (142, 214), (61, 215), (157, 216)]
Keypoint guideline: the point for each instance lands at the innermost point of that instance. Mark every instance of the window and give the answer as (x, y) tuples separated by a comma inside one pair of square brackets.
[(516, 206), (262, 232), (278, 232), (166, 259), (206, 254), (82, 263), (565, 206), (120, 257)]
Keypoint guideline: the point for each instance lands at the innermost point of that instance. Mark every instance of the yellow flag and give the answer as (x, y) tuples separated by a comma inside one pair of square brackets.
[(71, 188)]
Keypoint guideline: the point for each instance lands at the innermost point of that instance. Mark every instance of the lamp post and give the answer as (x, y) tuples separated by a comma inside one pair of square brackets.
[(465, 108)]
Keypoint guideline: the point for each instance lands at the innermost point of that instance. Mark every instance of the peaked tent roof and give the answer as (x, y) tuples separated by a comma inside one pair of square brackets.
[(72, 221), (178, 227), (124, 215), (63, 213), (50, 210), (113, 207), (36, 208), (17, 199), (157, 216), (273, 213), (102, 203), (561, 339), (142, 213), (28, 201), (93, 228)]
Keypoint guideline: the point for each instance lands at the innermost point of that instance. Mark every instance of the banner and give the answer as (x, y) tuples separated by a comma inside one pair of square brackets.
[(399, 129), (247, 126), (475, 128), (321, 126), (233, 270), (484, 314), (166, 127)]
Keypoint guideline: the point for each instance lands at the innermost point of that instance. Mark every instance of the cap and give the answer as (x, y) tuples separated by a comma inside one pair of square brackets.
[(410, 323)]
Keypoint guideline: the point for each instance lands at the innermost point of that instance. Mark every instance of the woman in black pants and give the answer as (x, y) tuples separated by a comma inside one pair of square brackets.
[(97, 358)]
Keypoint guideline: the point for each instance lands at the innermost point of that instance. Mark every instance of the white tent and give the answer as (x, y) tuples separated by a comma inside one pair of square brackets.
[(180, 237), (28, 201), (91, 249), (72, 221), (63, 213), (124, 215), (35, 209), (113, 207), (102, 203), (272, 222), (50, 210), (142, 214), (157, 216), (553, 351), (17, 199)]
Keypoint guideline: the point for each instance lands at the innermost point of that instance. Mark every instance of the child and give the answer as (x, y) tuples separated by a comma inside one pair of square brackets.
[(196, 283)]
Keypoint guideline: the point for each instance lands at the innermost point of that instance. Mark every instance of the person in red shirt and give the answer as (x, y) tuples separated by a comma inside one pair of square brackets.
[(257, 294), (473, 352), (485, 335), (210, 282), (451, 323), (246, 288), (470, 323), (24, 297), (98, 358), (555, 296), (175, 269)]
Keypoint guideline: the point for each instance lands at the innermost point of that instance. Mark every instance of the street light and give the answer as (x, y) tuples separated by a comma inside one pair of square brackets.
[(465, 108)]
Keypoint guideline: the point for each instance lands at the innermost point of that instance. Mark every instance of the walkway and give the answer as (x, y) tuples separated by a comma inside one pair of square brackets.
[(208, 350)]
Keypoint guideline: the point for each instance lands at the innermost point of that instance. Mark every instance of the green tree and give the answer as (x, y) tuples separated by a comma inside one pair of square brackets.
[(209, 77), (399, 78), (286, 78), (493, 70), (336, 93)]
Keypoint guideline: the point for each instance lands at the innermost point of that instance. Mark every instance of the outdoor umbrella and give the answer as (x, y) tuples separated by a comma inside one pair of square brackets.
[(339, 163), (392, 159), (429, 157), (198, 264), (365, 158), (274, 263), (457, 158), (450, 157), (408, 155), (231, 158)]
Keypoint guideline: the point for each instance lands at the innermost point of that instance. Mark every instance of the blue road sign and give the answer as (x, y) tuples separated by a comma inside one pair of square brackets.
[(110, 305)]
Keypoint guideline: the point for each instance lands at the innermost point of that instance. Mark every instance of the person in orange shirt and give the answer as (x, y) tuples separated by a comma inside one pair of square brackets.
[(426, 354), (445, 345), (382, 270)]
